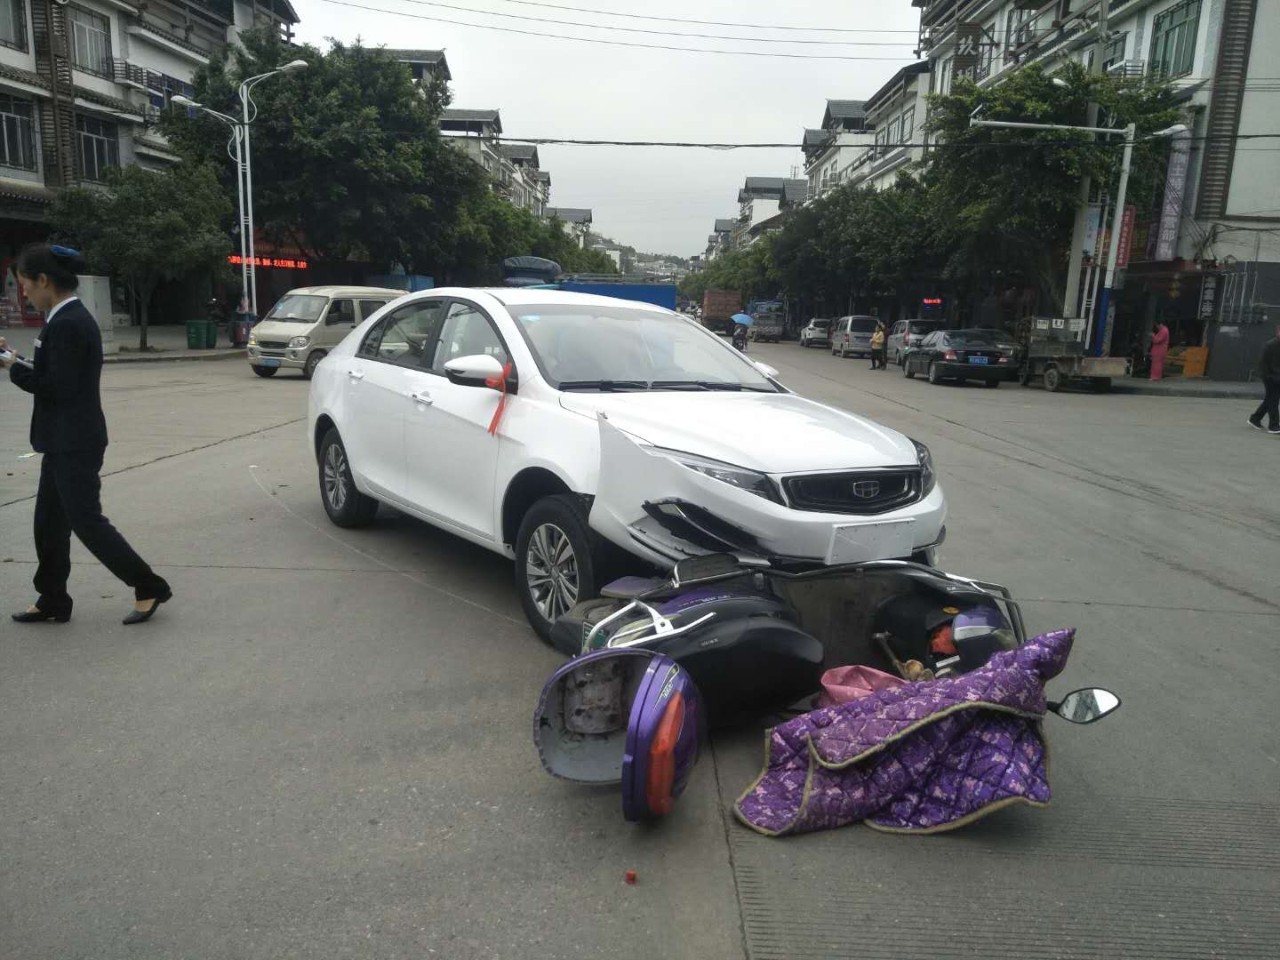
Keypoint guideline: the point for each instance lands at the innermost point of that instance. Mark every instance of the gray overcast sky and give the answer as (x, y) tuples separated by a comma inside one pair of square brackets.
[(660, 200)]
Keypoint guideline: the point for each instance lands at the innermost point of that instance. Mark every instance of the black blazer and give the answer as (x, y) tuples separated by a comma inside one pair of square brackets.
[(64, 379)]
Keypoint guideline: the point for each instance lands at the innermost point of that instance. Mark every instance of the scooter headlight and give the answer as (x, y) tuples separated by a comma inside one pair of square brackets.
[(740, 477), (928, 478)]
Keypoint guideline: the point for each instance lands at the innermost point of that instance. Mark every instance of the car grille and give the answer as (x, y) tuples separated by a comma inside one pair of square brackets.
[(273, 344), (866, 492)]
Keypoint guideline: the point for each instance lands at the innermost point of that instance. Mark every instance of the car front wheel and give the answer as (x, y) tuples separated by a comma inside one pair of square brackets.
[(557, 561), (313, 361), (265, 371), (345, 505)]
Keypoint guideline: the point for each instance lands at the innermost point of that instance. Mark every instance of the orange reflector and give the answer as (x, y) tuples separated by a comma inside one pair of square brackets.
[(662, 758)]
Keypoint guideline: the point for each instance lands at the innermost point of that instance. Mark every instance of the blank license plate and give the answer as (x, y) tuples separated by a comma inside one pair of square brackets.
[(270, 362), (978, 359), (856, 542)]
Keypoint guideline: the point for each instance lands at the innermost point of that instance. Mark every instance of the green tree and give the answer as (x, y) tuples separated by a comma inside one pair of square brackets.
[(348, 160), (1002, 199), (145, 227)]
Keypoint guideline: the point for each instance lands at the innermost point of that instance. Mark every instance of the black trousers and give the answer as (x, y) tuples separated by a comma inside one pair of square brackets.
[(878, 358), (1270, 404), (69, 501)]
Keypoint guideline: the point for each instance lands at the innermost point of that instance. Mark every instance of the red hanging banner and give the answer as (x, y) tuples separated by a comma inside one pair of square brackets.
[(499, 383)]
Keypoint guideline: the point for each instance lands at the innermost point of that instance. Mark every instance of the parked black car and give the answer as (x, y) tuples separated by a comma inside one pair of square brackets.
[(961, 355)]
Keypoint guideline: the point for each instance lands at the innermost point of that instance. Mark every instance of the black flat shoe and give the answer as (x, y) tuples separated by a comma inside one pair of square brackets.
[(142, 616), (42, 616)]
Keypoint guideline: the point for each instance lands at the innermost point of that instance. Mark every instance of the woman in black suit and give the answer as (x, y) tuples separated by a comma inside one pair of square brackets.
[(68, 427)]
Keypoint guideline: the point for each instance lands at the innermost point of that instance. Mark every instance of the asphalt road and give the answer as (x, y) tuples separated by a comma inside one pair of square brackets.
[(322, 748)]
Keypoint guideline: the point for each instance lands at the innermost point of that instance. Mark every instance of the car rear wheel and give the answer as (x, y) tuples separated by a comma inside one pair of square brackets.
[(934, 376), (907, 371), (313, 361), (557, 561), (1053, 379), (265, 371), (345, 505)]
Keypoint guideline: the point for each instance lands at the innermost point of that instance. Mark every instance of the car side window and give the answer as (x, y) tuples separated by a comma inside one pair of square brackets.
[(403, 336), (340, 312), (898, 329), (467, 332), (369, 307)]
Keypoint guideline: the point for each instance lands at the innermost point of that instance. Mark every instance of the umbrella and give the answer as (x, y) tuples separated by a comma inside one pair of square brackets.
[(742, 319)]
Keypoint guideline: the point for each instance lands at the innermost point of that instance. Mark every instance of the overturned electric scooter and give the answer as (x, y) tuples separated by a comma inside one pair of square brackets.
[(728, 639)]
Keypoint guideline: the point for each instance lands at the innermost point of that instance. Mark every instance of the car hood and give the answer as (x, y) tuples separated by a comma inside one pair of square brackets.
[(282, 329), (777, 433)]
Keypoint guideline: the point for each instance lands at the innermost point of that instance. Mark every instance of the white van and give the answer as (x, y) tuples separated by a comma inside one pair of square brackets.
[(852, 336), (308, 322)]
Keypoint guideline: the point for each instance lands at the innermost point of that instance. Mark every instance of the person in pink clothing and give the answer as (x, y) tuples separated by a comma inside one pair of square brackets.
[(1159, 348)]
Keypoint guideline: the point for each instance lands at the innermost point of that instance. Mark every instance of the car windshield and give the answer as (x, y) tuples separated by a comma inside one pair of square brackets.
[(609, 348), (298, 308)]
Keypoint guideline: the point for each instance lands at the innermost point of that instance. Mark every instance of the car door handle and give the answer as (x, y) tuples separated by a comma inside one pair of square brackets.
[(355, 374), (422, 398)]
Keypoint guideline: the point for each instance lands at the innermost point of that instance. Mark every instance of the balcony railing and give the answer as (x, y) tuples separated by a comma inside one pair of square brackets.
[(129, 73)]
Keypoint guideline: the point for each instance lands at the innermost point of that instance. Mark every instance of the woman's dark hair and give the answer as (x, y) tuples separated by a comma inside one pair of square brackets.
[(59, 264)]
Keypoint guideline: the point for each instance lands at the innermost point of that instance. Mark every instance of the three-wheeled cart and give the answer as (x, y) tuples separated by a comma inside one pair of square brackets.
[(1054, 353)]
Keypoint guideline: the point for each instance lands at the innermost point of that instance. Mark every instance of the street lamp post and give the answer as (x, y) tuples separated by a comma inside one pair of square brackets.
[(237, 138), (1130, 134), (245, 102), (244, 171)]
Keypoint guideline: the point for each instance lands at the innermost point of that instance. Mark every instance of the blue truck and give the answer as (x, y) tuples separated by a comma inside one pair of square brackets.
[(547, 275)]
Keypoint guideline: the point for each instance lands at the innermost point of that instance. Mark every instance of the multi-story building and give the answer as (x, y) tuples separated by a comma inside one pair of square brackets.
[(576, 219), (843, 136), (1206, 259), (513, 169), (895, 117), (761, 202), (81, 82), (424, 65)]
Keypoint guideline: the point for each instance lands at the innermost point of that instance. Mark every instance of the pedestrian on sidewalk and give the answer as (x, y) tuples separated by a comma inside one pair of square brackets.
[(878, 347), (70, 430), (1159, 349), (1269, 369)]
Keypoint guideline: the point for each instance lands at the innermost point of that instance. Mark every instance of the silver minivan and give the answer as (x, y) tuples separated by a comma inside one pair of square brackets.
[(308, 322), (906, 334), (852, 336)]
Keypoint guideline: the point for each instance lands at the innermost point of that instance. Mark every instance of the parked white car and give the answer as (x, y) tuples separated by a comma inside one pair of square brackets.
[(569, 432)]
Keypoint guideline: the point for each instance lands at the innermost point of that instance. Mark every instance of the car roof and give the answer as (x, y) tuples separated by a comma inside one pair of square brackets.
[(336, 291), (531, 296)]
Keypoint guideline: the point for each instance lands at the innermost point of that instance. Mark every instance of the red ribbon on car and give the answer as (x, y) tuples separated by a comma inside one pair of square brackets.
[(498, 383)]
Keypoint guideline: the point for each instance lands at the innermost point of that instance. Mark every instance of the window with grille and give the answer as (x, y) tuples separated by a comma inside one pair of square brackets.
[(97, 147), (13, 24), (17, 133), (908, 124), (90, 41), (1173, 42), (1113, 52)]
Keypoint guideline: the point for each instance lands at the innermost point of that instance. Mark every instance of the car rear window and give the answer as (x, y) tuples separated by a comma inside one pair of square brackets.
[(862, 324), (920, 328)]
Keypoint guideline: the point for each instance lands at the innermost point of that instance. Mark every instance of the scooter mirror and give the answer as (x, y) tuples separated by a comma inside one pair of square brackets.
[(1087, 705)]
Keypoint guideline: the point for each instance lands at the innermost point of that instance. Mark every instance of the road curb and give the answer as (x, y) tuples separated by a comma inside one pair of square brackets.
[(1206, 393), (178, 358)]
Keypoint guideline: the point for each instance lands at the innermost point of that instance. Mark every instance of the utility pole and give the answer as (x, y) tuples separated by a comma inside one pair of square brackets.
[(1071, 299)]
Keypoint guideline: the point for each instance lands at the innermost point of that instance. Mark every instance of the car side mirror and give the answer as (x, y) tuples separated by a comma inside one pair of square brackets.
[(1086, 706), (479, 370), (767, 370)]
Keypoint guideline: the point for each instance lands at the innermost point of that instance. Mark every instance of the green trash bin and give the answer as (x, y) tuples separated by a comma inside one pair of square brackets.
[(210, 334), (197, 334)]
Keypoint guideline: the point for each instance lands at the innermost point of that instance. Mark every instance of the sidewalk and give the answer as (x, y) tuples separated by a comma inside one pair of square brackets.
[(164, 343), (1178, 387)]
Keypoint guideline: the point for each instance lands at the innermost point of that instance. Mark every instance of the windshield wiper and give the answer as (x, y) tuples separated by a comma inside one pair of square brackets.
[(696, 385), (605, 386)]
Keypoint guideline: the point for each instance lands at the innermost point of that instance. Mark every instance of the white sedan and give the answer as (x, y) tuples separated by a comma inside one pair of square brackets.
[(573, 433)]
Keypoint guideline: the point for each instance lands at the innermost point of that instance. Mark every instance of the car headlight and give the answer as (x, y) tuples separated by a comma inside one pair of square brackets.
[(253, 339), (298, 342), (928, 478), (749, 480)]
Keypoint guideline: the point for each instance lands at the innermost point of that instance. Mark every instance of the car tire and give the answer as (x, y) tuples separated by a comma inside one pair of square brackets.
[(557, 549), (265, 371), (907, 371), (345, 505), (934, 378), (991, 384), (1053, 379), (313, 360)]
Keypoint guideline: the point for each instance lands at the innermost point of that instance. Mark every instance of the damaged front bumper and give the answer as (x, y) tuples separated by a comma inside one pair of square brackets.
[(652, 505)]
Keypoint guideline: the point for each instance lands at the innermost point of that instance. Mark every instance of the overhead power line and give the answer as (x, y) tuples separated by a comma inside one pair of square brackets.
[(659, 33), (707, 23), (1025, 143), (613, 43)]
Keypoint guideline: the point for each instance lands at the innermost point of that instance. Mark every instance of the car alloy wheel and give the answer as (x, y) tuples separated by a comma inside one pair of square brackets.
[(551, 570), (313, 361), (933, 373), (335, 476), (343, 502)]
